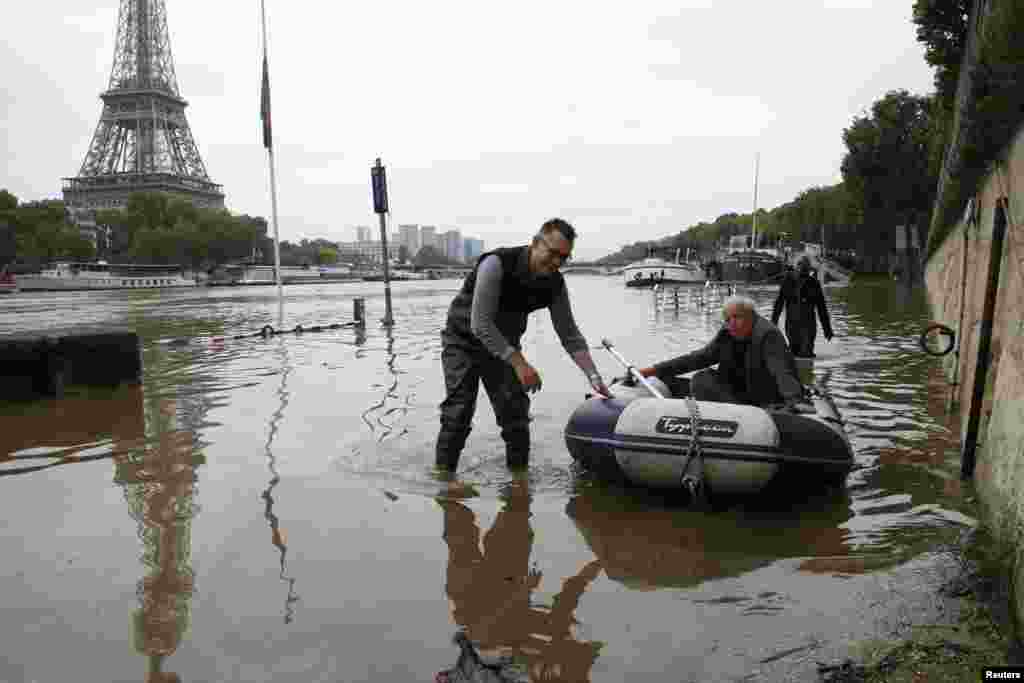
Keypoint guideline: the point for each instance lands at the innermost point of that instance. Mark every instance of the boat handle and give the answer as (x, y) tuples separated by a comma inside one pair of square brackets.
[(631, 369)]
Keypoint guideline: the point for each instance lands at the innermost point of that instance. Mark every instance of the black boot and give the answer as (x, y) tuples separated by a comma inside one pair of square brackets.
[(517, 446), (517, 460), (446, 461), (449, 448)]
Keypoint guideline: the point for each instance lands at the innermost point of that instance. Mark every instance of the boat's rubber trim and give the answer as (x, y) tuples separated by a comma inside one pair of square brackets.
[(721, 451)]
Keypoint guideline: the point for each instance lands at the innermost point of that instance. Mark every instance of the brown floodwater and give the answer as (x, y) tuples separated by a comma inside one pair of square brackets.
[(265, 509)]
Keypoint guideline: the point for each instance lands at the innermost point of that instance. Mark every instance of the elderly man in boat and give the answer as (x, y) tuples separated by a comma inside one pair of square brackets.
[(755, 366)]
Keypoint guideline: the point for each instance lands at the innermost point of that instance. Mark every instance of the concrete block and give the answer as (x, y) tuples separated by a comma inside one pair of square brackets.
[(42, 364)]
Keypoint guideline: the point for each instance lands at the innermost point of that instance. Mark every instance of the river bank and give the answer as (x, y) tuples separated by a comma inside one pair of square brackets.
[(981, 633)]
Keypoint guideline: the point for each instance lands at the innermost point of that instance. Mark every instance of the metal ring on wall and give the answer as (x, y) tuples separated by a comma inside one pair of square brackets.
[(937, 330)]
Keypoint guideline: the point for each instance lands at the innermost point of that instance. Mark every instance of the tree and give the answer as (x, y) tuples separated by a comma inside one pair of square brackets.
[(8, 245), (326, 256), (886, 168), (8, 201), (160, 228), (43, 233), (942, 29)]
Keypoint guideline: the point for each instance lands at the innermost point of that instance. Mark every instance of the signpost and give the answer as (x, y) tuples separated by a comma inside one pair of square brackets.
[(378, 180)]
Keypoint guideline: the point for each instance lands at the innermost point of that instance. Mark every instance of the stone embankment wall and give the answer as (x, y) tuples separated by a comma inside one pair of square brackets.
[(957, 278)]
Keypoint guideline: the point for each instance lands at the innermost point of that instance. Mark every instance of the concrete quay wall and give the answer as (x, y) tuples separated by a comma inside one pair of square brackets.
[(956, 281), (34, 365)]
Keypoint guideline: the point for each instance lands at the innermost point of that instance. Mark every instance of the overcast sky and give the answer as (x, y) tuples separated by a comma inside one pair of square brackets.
[(631, 120)]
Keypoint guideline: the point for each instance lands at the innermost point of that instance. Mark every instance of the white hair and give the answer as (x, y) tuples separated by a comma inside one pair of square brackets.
[(740, 301)]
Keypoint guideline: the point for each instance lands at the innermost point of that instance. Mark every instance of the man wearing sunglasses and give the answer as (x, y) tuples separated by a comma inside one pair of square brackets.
[(481, 341), (755, 366)]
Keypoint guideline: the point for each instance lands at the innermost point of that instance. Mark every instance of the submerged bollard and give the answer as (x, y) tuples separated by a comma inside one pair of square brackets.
[(359, 312)]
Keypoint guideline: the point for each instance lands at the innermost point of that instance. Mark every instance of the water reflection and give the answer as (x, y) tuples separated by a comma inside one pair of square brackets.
[(360, 340), (277, 535), (646, 543), (379, 416), (490, 585), (86, 424), (159, 485)]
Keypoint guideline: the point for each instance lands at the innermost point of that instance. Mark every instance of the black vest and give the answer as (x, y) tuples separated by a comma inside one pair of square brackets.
[(521, 294)]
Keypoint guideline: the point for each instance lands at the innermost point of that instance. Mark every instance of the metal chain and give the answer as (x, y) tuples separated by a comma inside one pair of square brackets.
[(687, 481), (265, 332)]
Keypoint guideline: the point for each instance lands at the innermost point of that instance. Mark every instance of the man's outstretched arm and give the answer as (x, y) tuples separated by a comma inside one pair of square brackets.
[(573, 341)]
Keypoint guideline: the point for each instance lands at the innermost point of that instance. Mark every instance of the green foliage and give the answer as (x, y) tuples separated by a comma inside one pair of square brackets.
[(7, 201), (886, 168), (942, 29), (886, 159), (327, 256), (992, 115), (42, 232), (831, 208), (160, 228), (305, 253), (8, 246)]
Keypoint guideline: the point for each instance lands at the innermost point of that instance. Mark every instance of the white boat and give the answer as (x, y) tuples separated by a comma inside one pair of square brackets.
[(657, 271), (264, 275), (74, 275), (647, 441)]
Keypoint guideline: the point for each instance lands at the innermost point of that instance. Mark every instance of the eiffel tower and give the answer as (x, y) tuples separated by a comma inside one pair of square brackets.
[(143, 142)]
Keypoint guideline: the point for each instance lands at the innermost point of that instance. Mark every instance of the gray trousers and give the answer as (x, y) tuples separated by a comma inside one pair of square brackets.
[(464, 368)]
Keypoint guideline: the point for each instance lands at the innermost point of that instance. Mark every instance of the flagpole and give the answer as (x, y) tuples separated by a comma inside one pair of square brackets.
[(753, 230), (269, 142)]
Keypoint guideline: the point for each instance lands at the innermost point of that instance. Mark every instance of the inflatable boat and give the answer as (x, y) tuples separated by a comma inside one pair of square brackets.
[(738, 449)]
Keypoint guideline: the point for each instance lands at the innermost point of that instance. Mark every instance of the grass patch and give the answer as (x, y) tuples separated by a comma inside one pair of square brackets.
[(983, 636)]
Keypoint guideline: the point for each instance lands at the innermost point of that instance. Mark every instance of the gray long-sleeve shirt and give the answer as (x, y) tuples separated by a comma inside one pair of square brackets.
[(486, 295)]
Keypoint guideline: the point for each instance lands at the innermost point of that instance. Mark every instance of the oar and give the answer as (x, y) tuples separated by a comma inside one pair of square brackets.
[(631, 369)]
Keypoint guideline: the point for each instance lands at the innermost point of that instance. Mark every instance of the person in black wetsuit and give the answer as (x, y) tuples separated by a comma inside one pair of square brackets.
[(801, 296), (481, 341)]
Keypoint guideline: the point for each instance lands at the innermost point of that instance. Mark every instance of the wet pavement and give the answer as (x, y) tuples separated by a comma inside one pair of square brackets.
[(266, 510)]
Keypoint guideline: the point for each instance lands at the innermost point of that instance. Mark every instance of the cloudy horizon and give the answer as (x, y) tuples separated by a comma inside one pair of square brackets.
[(631, 123)]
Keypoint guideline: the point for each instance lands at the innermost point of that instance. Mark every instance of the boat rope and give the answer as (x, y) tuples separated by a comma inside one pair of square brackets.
[(689, 482)]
